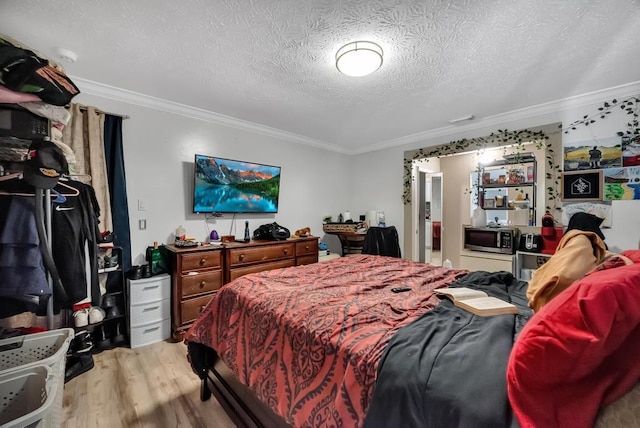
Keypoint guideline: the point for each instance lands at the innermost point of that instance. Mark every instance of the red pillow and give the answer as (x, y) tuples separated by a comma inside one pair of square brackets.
[(632, 254), (580, 352)]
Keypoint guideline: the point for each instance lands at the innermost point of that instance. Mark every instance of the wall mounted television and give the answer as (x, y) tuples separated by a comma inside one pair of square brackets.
[(232, 186)]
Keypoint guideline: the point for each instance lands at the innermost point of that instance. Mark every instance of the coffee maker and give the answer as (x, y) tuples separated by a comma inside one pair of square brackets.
[(551, 234)]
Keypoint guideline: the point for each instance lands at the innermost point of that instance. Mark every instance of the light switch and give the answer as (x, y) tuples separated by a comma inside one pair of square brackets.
[(142, 224), (142, 205)]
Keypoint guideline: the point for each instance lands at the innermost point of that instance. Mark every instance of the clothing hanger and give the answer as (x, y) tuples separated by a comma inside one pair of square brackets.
[(10, 176), (74, 191), (54, 194), (79, 177)]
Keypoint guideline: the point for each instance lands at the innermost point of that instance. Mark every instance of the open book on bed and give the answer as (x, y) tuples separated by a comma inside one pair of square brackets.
[(477, 302)]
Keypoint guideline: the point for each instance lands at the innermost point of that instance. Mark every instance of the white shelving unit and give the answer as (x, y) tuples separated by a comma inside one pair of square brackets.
[(500, 183), (149, 309)]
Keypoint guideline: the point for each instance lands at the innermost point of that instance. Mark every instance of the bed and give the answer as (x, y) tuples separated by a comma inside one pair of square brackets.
[(330, 344)]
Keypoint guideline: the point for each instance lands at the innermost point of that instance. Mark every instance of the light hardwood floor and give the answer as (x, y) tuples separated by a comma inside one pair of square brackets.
[(152, 386)]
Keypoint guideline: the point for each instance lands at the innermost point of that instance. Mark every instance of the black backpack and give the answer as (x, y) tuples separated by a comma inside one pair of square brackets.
[(271, 232)]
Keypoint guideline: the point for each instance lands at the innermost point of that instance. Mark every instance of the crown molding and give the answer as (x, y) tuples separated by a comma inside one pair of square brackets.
[(626, 90), (135, 98), (130, 97)]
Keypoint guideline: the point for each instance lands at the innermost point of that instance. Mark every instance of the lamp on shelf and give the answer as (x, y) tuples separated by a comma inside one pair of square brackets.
[(358, 59)]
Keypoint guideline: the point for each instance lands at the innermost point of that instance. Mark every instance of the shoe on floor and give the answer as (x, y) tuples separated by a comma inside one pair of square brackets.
[(76, 365), (81, 318), (81, 343), (96, 315)]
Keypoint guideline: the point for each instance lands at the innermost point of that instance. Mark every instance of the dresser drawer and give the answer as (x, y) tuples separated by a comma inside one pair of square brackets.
[(306, 247), (307, 260), (149, 313), (240, 256), (192, 308), (149, 289), (201, 260), (151, 333), (238, 272), (201, 282)]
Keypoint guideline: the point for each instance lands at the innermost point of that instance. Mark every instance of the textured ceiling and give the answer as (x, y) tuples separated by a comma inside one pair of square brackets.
[(271, 62)]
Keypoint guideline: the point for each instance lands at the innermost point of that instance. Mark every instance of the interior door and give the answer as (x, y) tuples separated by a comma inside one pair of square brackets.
[(419, 216)]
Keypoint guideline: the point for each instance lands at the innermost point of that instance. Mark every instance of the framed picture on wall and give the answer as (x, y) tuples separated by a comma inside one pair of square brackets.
[(581, 186)]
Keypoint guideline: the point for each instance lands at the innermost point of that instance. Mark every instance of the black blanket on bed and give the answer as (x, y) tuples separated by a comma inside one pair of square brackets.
[(448, 368)]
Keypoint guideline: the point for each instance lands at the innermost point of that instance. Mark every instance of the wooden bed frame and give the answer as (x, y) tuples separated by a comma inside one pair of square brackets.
[(237, 400)]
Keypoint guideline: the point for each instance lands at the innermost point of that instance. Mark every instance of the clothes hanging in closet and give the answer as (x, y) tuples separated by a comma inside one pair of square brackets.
[(74, 226), (23, 280)]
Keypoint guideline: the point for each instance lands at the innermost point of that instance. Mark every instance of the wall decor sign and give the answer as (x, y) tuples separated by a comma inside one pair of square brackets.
[(631, 150), (622, 183), (581, 186), (594, 154)]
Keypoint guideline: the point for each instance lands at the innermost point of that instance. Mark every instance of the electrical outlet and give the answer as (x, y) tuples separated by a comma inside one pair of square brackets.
[(142, 205), (142, 224)]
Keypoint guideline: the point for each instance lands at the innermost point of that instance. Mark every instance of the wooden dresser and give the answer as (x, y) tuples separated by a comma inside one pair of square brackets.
[(256, 256), (196, 274)]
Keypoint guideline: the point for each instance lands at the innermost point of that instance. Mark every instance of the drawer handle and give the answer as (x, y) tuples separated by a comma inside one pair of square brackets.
[(150, 309), (151, 329), (203, 284), (286, 251), (241, 257), (306, 247), (202, 261), (150, 287)]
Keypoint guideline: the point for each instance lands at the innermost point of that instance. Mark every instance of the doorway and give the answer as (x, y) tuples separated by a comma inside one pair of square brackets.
[(427, 216), (433, 219)]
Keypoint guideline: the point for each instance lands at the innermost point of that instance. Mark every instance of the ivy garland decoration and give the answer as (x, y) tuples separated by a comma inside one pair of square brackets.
[(629, 105), (505, 137), (501, 138)]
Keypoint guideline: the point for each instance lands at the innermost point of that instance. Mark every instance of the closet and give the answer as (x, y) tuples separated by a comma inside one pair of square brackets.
[(52, 254)]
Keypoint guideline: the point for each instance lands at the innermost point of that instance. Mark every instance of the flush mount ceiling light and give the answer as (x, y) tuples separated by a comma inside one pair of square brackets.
[(66, 55), (359, 58)]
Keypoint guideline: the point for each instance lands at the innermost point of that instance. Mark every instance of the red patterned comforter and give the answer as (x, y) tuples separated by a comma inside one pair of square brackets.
[(307, 340)]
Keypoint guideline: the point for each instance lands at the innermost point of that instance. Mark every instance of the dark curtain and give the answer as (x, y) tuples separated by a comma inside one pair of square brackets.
[(114, 159)]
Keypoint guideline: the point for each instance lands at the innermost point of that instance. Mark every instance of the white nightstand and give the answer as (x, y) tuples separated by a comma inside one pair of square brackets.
[(149, 309)]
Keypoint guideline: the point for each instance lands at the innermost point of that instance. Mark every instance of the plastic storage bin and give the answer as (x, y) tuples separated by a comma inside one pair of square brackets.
[(27, 397), (48, 348)]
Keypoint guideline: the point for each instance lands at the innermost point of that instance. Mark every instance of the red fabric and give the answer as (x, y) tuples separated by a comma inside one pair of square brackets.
[(580, 352), (307, 340)]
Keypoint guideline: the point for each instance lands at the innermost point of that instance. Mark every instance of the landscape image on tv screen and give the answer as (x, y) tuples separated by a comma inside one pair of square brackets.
[(231, 186)]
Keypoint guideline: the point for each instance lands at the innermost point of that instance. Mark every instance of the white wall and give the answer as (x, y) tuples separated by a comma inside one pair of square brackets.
[(159, 150), (625, 224), (385, 168)]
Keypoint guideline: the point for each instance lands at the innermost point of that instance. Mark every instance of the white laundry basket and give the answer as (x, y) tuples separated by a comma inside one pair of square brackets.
[(27, 397), (48, 348)]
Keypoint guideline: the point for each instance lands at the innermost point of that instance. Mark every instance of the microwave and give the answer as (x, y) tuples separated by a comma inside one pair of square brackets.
[(491, 239), (20, 123)]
